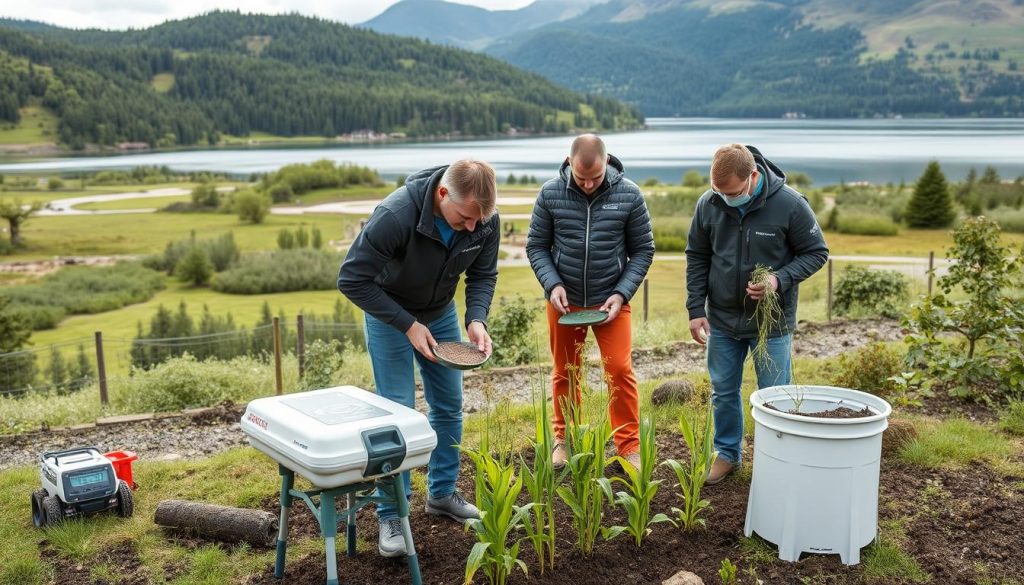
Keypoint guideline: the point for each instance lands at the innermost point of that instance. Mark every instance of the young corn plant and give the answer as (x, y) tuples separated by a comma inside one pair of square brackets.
[(540, 482), (692, 475), (640, 489), (496, 551), (586, 465)]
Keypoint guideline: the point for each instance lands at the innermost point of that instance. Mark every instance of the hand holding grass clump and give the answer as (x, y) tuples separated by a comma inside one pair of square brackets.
[(764, 288)]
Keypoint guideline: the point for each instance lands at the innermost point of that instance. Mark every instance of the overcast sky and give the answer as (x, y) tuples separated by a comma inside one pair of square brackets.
[(121, 14)]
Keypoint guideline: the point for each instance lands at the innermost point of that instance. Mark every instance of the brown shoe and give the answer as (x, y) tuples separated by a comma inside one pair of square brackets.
[(720, 470), (560, 456)]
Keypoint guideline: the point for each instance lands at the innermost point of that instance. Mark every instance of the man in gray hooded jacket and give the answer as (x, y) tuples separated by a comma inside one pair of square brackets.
[(748, 217)]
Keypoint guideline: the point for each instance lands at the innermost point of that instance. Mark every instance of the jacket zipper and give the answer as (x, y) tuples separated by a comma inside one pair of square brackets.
[(586, 255), (739, 277)]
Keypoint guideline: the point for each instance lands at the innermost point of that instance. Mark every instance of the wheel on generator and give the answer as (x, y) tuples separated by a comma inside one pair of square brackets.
[(38, 514), (125, 503), (52, 510)]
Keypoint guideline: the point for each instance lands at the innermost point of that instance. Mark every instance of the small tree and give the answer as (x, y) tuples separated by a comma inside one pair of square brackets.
[(801, 180), (58, 371), (54, 183), (17, 370), (285, 239), (205, 195), (251, 206), (16, 215), (81, 375), (990, 177), (930, 206), (693, 178), (195, 267), (318, 238), (511, 180), (301, 238), (989, 323)]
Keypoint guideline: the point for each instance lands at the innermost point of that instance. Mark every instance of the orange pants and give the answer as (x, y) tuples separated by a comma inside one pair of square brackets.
[(615, 339)]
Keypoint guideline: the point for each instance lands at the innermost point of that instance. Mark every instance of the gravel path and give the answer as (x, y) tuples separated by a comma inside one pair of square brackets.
[(209, 431)]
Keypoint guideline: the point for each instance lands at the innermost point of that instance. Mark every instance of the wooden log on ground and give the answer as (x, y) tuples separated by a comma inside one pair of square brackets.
[(221, 523)]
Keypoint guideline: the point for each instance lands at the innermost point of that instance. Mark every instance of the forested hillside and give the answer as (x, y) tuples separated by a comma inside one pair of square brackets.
[(740, 59), (188, 82)]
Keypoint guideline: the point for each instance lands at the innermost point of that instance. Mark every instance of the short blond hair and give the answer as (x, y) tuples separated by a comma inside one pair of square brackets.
[(474, 180), (731, 160)]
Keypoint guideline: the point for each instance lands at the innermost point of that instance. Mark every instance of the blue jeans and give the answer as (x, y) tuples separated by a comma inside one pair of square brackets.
[(725, 366), (392, 357)]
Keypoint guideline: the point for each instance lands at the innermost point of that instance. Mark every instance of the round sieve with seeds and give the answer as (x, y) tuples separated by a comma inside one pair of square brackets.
[(459, 355)]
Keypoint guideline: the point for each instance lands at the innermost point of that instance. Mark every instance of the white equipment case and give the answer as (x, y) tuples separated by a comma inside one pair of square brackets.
[(339, 436)]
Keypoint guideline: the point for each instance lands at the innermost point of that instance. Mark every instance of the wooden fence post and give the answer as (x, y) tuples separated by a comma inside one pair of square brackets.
[(931, 271), (300, 344), (101, 368), (277, 354), (829, 301)]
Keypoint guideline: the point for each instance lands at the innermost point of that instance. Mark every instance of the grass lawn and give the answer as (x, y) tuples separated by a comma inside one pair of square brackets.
[(265, 138), (150, 203), (37, 125), (149, 233)]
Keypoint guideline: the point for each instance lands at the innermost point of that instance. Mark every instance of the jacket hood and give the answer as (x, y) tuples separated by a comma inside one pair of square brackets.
[(774, 177), (421, 186), (614, 172)]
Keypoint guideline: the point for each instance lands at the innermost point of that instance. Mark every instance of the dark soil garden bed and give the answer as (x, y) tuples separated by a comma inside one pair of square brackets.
[(966, 522)]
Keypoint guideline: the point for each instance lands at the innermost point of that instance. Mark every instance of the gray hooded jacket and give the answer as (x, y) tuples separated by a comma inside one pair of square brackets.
[(778, 230)]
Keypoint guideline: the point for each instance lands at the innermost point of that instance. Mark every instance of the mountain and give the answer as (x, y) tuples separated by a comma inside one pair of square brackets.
[(189, 81), (466, 26), (742, 58)]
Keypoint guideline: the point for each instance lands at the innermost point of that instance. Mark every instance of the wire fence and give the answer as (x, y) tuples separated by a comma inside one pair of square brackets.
[(66, 367), (69, 366)]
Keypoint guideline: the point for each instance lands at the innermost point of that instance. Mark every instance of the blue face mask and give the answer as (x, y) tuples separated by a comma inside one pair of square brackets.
[(738, 200), (742, 200)]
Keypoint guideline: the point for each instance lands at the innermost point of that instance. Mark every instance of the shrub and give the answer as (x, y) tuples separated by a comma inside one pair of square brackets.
[(205, 195), (865, 292), (251, 206), (692, 178), (222, 251), (194, 267), (1010, 220), (281, 271), (671, 238), (84, 290), (185, 382), (55, 183), (869, 369), (302, 178), (864, 225), (285, 239), (323, 360), (281, 193), (510, 328)]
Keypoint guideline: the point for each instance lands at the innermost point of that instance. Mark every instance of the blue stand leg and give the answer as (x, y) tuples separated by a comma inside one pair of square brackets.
[(329, 529), (287, 480), (350, 534), (403, 515)]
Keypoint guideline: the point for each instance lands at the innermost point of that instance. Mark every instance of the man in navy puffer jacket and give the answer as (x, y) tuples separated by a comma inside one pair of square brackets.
[(590, 245)]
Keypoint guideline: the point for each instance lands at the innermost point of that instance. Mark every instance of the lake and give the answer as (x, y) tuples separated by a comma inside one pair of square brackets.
[(830, 151)]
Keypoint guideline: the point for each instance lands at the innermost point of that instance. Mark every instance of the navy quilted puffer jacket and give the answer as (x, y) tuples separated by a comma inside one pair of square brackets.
[(594, 246)]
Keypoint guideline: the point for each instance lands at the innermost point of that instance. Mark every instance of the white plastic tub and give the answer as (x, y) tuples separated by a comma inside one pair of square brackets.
[(815, 480), (339, 436)]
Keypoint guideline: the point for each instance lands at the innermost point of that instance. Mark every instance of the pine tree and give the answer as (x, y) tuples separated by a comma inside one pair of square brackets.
[(195, 267), (930, 206), (318, 238), (57, 372)]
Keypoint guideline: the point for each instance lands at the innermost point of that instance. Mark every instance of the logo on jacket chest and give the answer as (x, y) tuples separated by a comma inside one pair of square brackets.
[(765, 234), (610, 206)]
